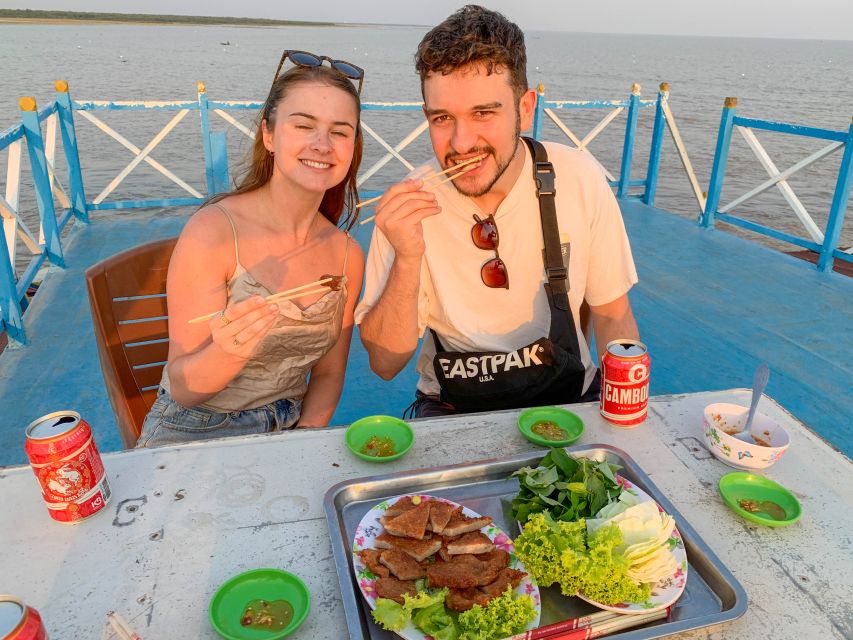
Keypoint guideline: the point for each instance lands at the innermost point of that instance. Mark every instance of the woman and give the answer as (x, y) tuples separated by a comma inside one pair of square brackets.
[(246, 370)]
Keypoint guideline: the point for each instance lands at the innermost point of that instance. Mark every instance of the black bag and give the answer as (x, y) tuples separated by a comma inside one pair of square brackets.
[(546, 371)]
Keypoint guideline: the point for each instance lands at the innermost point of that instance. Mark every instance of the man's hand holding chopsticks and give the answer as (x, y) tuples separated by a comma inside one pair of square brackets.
[(400, 213)]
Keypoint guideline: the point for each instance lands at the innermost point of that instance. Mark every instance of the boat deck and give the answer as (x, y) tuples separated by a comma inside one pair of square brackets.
[(710, 306)]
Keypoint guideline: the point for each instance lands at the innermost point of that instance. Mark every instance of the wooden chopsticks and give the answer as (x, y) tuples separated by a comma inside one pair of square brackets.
[(295, 292), (456, 171), (594, 625), (120, 626)]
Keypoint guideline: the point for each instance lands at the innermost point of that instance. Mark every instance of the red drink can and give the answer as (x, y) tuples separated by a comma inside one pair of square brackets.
[(19, 622), (625, 382), (64, 458)]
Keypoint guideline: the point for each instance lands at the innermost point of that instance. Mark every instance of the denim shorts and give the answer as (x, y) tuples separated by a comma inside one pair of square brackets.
[(171, 423)]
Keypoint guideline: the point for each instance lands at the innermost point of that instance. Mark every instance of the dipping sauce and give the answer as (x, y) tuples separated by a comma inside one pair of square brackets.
[(378, 447), (549, 430), (760, 440), (271, 615), (764, 507)]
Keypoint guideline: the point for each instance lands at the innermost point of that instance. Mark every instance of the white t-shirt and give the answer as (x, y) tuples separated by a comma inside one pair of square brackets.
[(469, 316)]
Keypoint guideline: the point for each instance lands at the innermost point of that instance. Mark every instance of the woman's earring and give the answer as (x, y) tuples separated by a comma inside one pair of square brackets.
[(272, 153)]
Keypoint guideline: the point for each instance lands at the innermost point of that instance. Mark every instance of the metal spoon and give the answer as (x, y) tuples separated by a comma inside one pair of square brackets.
[(759, 381)]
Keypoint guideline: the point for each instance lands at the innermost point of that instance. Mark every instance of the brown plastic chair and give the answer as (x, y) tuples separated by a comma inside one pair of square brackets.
[(127, 293)]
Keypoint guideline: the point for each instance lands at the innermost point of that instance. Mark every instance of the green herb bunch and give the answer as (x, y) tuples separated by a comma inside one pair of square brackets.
[(568, 488)]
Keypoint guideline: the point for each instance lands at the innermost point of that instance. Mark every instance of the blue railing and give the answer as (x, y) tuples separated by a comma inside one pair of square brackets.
[(825, 242), (48, 246)]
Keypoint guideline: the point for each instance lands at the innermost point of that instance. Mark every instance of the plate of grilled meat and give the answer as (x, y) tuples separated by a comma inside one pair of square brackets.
[(421, 541)]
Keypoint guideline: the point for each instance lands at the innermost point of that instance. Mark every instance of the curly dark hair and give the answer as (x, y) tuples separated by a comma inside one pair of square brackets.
[(474, 34)]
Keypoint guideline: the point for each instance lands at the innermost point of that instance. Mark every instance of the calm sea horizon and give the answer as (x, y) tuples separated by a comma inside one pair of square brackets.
[(800, 81)]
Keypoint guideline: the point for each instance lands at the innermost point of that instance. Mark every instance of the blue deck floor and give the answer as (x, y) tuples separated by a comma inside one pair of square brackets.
[(710, 306)]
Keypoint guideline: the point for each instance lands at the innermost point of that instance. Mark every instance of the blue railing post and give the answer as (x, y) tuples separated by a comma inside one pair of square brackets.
[(219, 153), (721, 156), (205, 139), (41, 180), (839, 206), (72, 155), (657, 143), (628, 146), (11, 318), (539, 112)]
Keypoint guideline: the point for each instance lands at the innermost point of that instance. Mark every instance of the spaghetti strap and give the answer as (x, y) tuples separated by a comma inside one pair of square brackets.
[(234, 231), (346, 251)]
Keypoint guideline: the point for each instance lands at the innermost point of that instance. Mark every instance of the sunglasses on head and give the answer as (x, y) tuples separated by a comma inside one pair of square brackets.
[(484, 233), (306, 59)]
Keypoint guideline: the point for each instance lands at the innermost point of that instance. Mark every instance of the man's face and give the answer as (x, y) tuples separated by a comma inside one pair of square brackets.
[(471, 112)]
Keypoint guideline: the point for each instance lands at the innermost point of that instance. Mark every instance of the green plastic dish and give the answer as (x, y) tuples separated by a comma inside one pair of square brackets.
[(360, 431), (231, 598), (739, 485), (566, 420)]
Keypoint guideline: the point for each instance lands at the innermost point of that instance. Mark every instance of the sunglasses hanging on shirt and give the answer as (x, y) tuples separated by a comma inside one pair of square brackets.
[(484, 234)]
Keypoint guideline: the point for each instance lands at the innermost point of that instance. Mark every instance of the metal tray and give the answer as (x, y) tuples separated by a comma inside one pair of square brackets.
[(712, 594)]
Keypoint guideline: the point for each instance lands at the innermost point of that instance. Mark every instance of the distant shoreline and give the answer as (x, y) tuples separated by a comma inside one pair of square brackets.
[(32, 16), (38, 16)]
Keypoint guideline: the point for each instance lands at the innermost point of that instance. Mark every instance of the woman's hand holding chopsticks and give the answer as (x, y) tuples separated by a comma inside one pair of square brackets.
[(238, 329)]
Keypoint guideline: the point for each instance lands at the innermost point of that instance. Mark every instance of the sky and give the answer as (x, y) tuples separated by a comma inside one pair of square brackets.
[(814, 19)]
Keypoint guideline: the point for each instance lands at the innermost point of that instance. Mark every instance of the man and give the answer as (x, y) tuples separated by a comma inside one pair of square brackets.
[(444, 257)]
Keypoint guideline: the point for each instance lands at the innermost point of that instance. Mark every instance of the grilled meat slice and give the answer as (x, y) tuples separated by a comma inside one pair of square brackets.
[(460, 524), (464, 599), (461, 572), (410, 524), (439, 515), (402, 505), (497, 558), (505, 577), (399, 507), (472, 542), (394, 589), (370, 557), (418, 549), (401, 564)]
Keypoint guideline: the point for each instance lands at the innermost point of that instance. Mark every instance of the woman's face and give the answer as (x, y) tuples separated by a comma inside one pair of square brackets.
[(314, 136)]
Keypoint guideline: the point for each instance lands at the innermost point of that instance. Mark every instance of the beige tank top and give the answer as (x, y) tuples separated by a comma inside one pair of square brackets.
[(280, 366)]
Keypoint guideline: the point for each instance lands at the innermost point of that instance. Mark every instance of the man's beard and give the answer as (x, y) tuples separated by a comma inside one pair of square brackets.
[(502, 164)]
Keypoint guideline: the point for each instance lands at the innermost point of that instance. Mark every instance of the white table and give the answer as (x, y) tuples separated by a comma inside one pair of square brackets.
[(184, 519)]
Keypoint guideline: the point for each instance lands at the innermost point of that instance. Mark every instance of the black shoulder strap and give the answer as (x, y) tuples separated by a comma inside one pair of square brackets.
[(543, 175)]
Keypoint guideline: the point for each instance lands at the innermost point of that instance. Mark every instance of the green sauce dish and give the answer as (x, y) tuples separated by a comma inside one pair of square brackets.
[(385, 437), (759, 499), (550, 426), (229, 603)]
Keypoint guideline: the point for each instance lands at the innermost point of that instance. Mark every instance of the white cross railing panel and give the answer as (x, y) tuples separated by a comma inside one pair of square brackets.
[(583, 144), (779, 179)]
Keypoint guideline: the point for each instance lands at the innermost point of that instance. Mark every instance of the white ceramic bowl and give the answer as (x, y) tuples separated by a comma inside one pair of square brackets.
[(722, 417)]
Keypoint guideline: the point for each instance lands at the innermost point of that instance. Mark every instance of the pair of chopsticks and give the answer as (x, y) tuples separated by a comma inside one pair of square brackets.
[(120, 626), (455, 171), (282, 295), (595, 625)]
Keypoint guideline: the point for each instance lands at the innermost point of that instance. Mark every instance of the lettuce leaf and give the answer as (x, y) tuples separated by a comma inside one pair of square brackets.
[(503, 616), (561, 552), (390, 615), (434, 621)]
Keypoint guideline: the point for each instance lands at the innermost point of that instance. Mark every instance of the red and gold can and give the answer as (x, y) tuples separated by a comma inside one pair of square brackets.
[(64, 458), (19, 622), (625, 382)]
